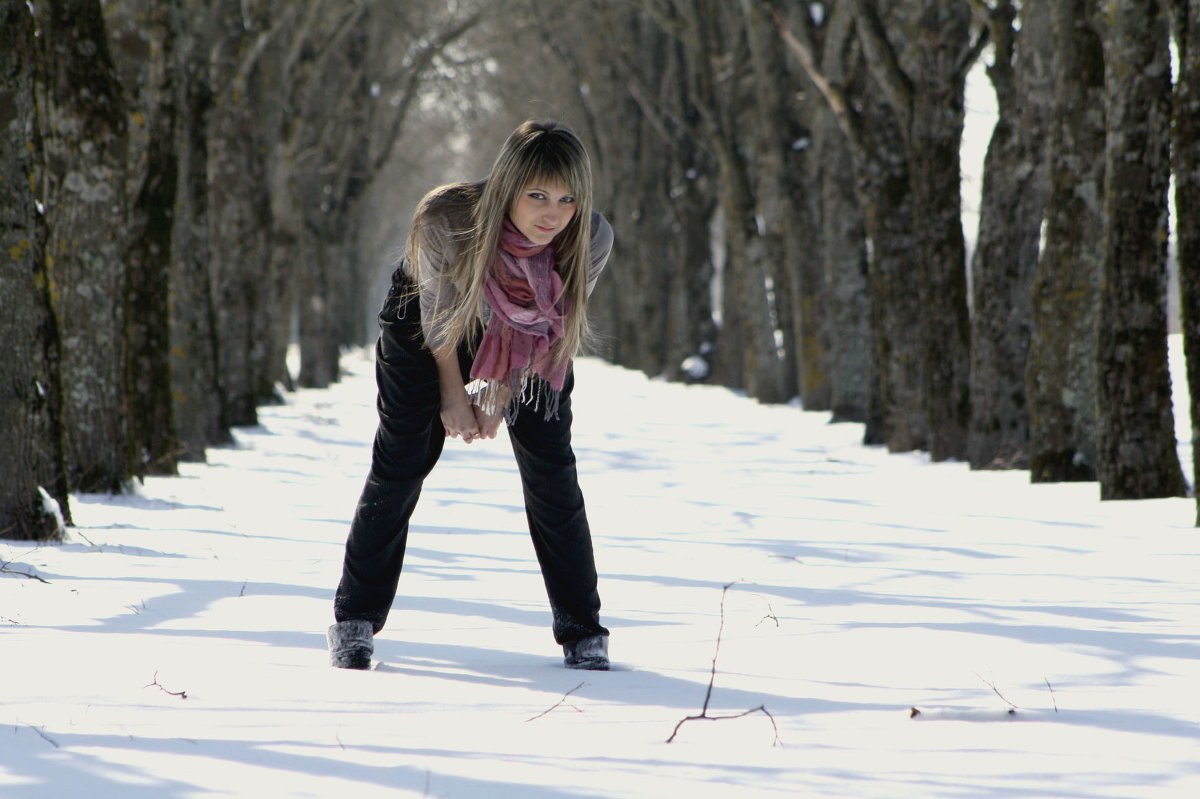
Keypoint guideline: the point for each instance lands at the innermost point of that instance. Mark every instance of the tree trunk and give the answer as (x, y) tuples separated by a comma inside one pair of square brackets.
[(1061, 376), (32, 469), (144, 40), (83, 127), (1013, 204), (783, 189), (1186, 149), (239, 209), (199, 404), (845, 275), (1135, 431), (923, 82)]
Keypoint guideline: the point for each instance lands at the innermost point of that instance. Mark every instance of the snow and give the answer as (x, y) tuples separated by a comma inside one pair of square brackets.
[(176, 646)]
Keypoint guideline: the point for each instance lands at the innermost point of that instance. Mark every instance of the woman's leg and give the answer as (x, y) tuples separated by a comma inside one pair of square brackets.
[(408, 443), (557, 519)]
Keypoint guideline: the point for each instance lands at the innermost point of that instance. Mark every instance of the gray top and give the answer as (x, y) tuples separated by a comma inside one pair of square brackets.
[(441, 242)]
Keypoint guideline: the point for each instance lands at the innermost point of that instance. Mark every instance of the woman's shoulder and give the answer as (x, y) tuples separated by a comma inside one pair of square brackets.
[(602, 235)]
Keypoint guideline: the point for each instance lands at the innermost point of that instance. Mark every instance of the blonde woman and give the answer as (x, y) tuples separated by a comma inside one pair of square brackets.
[(491, 296)]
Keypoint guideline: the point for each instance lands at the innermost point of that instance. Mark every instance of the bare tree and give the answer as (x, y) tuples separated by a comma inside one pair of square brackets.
[(200, 412), (32, 470), (897, 410), (1013, 204), (919, 54), (83, 124), (1186, 149), (1135, 432), (1061, 375), (143, 36)]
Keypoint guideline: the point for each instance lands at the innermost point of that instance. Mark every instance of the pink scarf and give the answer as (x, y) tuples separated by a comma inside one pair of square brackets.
[(528, 309)]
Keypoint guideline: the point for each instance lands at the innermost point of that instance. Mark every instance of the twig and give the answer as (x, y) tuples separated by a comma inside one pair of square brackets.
[(703, 714), (995, 690), (157, 684), (32, 576), (1053, 699), (770, 615), (44, 736), (559, 704)]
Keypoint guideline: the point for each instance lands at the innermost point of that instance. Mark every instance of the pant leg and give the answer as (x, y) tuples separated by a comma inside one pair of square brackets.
[(408, 442), (557, 518)]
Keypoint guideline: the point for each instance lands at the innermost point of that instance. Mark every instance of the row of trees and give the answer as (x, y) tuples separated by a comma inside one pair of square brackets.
[(180, 184), (188, 187), (824, 137)]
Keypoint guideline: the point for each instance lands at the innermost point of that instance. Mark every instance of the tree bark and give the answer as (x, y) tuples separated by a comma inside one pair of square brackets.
[(241, 122), (1061, 375), (1012, 208), (1135, 432), (199, 403), (1186, 149), (85, 140), (32, 469), (924, 82), (143, 36)]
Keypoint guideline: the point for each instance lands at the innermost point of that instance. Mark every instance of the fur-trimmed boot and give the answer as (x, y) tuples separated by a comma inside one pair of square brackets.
[(589, 653), (351, 644)]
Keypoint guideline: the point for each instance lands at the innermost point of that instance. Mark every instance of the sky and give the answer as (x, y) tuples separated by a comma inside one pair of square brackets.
[(174, 646)]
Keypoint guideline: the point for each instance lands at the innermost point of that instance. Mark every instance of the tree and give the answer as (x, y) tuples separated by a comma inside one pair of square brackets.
[(242, 122), (82, 120), (1186, 149), (1135, 432), (200, 411), (1013, 204), (897, 411), (143, 36), (1061, 373), (32, 470), (851, 357), (785, 192), (919, 57)]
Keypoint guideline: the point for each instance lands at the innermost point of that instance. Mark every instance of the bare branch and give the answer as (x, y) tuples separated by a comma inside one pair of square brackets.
[(884, 64), (43, 736), (31, 575), (703, 714), (559, 704), (159, 686), (995, 690)]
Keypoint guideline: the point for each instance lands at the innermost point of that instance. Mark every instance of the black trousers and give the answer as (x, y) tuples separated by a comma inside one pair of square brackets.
[(409, 442)]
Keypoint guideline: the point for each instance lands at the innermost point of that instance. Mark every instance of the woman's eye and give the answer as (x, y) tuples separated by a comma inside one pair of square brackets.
[(569, 200), (537, 195)]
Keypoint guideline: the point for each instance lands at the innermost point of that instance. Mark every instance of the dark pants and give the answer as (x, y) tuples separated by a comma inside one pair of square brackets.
[(409, 442)]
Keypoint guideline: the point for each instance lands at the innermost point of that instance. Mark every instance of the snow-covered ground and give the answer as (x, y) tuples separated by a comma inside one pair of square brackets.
[(175, 646)]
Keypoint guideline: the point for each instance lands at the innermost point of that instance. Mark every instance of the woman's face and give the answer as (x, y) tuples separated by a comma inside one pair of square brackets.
[(542, 210)]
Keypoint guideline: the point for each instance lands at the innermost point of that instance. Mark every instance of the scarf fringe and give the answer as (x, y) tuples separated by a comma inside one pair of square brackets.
[(532, 391)]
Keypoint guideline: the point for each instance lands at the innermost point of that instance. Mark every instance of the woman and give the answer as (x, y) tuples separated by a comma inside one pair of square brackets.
[(491, 295)]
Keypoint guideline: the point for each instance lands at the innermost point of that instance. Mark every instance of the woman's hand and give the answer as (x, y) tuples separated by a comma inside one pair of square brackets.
[(488, 423), (458, 417)]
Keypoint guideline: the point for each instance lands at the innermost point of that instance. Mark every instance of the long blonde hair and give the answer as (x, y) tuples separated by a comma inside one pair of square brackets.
[(534, 151)]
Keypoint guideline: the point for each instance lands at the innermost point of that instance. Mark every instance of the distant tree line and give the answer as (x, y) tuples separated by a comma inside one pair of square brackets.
[(187, 188)]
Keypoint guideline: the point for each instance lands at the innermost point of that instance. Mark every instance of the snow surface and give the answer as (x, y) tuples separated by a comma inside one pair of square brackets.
[(175, 647)]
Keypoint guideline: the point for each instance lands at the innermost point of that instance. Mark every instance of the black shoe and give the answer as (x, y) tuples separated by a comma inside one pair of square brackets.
[(587, 653), (351, 644)]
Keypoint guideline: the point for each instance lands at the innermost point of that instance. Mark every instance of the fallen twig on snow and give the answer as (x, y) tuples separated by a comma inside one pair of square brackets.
[(31, 575), (559, 704), (157, 684), (703, 714), (44, 736)]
